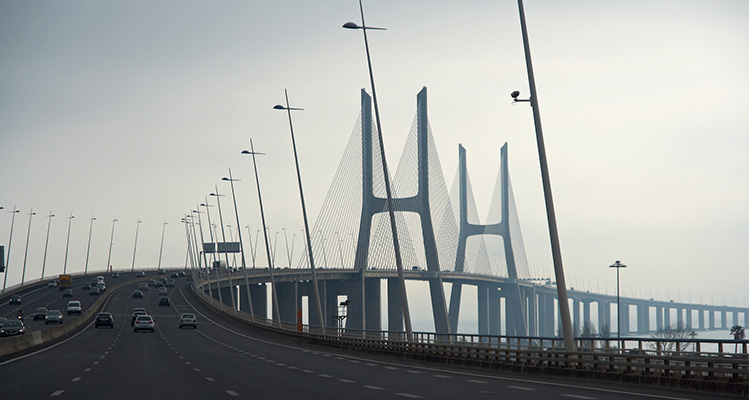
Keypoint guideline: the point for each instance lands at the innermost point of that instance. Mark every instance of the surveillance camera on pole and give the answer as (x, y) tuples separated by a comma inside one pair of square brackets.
[(515, 95)]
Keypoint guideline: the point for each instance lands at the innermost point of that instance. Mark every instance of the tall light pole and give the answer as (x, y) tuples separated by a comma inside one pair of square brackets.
[(135, 243), (316, 291), (88, 247), (111, 238), (67, 244), (242, 247), (286, 242), (213, 253), (274, 294), (389, 196), (562, 294), (226, 255), (26, 253), (10, 241), (617, 265), (46, 243), (202, 248), (161, 246)]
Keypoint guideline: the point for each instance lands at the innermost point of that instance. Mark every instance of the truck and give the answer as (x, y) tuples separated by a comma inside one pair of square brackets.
[(64, 282)]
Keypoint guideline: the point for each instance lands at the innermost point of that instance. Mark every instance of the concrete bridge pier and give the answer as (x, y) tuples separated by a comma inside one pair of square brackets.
[(711, 319), (494, 310), (659, 318), (227, 296), (258, 295), (372, 304), (680, 318), (586, 316), (549, 315), (531, 312), (688, 318), (724, 320), (483, 309), (288, 301), (667, 317), (577, 318), (395, 310), (603, 316)]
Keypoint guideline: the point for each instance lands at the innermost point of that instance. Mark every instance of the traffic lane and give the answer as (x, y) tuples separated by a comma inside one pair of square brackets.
[(430, 379)]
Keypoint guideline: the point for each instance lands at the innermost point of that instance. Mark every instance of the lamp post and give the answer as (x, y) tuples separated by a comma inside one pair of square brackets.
[(161, 246), (205, 260), (67, 244), (26, 253), (46, 243), (213, 253), (286, 242), (617, 265), (562, 293), (316, 291), (226, 255), (111, 238), (242, 247), (88, 247), (391, 214), (135, 243), (10, 241), (274, 295)]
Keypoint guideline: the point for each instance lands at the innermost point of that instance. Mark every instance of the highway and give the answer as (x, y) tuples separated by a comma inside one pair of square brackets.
[(224, 358)]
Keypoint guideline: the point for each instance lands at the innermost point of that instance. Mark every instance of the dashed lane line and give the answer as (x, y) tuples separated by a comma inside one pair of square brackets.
[(57, 393)]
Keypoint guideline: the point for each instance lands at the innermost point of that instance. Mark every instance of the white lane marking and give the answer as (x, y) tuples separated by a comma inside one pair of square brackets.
[(232, 393), (187, 362), (372, 387), (575, 396), (196, 370), (307, 371), (475, 381), (87, 370), (411, 396), (354, 361), (414, 372), (291, 367), (371, 365), (324, 376), (208, 378), (346, 381), (96, 362), (281, 364), (76, 379), (57, 393), (391, 368), (442, 376), (521, 388)]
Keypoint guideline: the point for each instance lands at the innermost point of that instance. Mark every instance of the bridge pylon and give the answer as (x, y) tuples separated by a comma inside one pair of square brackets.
[(516, 318)]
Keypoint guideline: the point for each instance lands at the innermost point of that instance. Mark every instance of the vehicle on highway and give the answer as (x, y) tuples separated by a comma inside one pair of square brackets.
[(152, 282), (52, 284), (143, 286), (53, 317), (160, 283), (188, 320), (170, 282), (86, 287), (180, 274), (12, 327), (163, 301), (100, 278), (116, 275), (143, 322), (40, 313), (175, 275), (68, 293), (136, 312), (74, 307), (65, 281), (95, 291), (161, 272), (14, 299), (140, 274), (137, 294), (189, 277), (104, 319), (102, 287), (3, 319), (162, 291)]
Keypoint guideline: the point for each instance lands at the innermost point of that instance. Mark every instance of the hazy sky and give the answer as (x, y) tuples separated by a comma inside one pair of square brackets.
[(136, 110)]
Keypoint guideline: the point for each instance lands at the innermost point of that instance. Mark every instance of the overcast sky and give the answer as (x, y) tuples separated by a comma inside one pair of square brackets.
[(136, 110)]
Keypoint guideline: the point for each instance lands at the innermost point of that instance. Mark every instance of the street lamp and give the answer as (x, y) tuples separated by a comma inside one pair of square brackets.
[(562, 294), (67, 244), (111, 238), (135, 243), (10, 241), (46, 243), (226, 255), (274, 295), (26, 253), (88, 247), (213, 253), (161, 246), (202, 249), (242, 247), (316, 291), (618, 265), (391, 214)]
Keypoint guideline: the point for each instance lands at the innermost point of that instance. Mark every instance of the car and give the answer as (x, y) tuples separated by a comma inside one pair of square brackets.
[(116, 275), (73, 307), (3, 319), (14, 299), (95, 291), (52, 284), (104, 319), (143, 322), (170, 282), (12, 327), (100, 278), (180, 274), (163, 301), (161, 284), (86, 287), (137, 294), (40, 313), (162, 272), (53, 317), (152, 282), (188, 320), (143, 286), (140, 274), (137, 312), (68, 293), (175, 275), (102, 287), (162, 291)]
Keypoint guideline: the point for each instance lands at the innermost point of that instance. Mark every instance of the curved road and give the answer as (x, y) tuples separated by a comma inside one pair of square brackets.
[(225, 359)]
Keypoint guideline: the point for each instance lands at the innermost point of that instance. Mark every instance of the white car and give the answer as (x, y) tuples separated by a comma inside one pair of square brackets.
[(74, 306), (188, 320), (143, 322)]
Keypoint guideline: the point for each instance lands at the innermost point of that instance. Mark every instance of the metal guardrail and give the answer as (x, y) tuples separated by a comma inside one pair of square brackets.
[(644, 360)]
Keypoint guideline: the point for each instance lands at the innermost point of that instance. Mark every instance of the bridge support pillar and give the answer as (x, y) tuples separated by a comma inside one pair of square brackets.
[(531, 311), (494, 310), (643, 318), (576, 318), (702, 319), (735, 318), (227, 296), (711, 319), (659, 318), (587, 325), (258, 294), (287, 297), (549, 315), (372, 304), (395, 312), (625, 322), (355, 292), (680, 318), (243, 300), (724, 320), (667, 317), (688, 318), (603, 317), (483, 303)]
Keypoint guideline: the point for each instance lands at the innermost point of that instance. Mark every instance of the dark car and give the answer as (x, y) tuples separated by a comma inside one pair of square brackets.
[(53, 317), (170, 282), (137, 294), (86, 287), (140, 274), (95, 291), (40, 313), (162, 272), (175, 275), (163, 301), (104, 319), (15, 299), (12, 327), (68, 293)]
